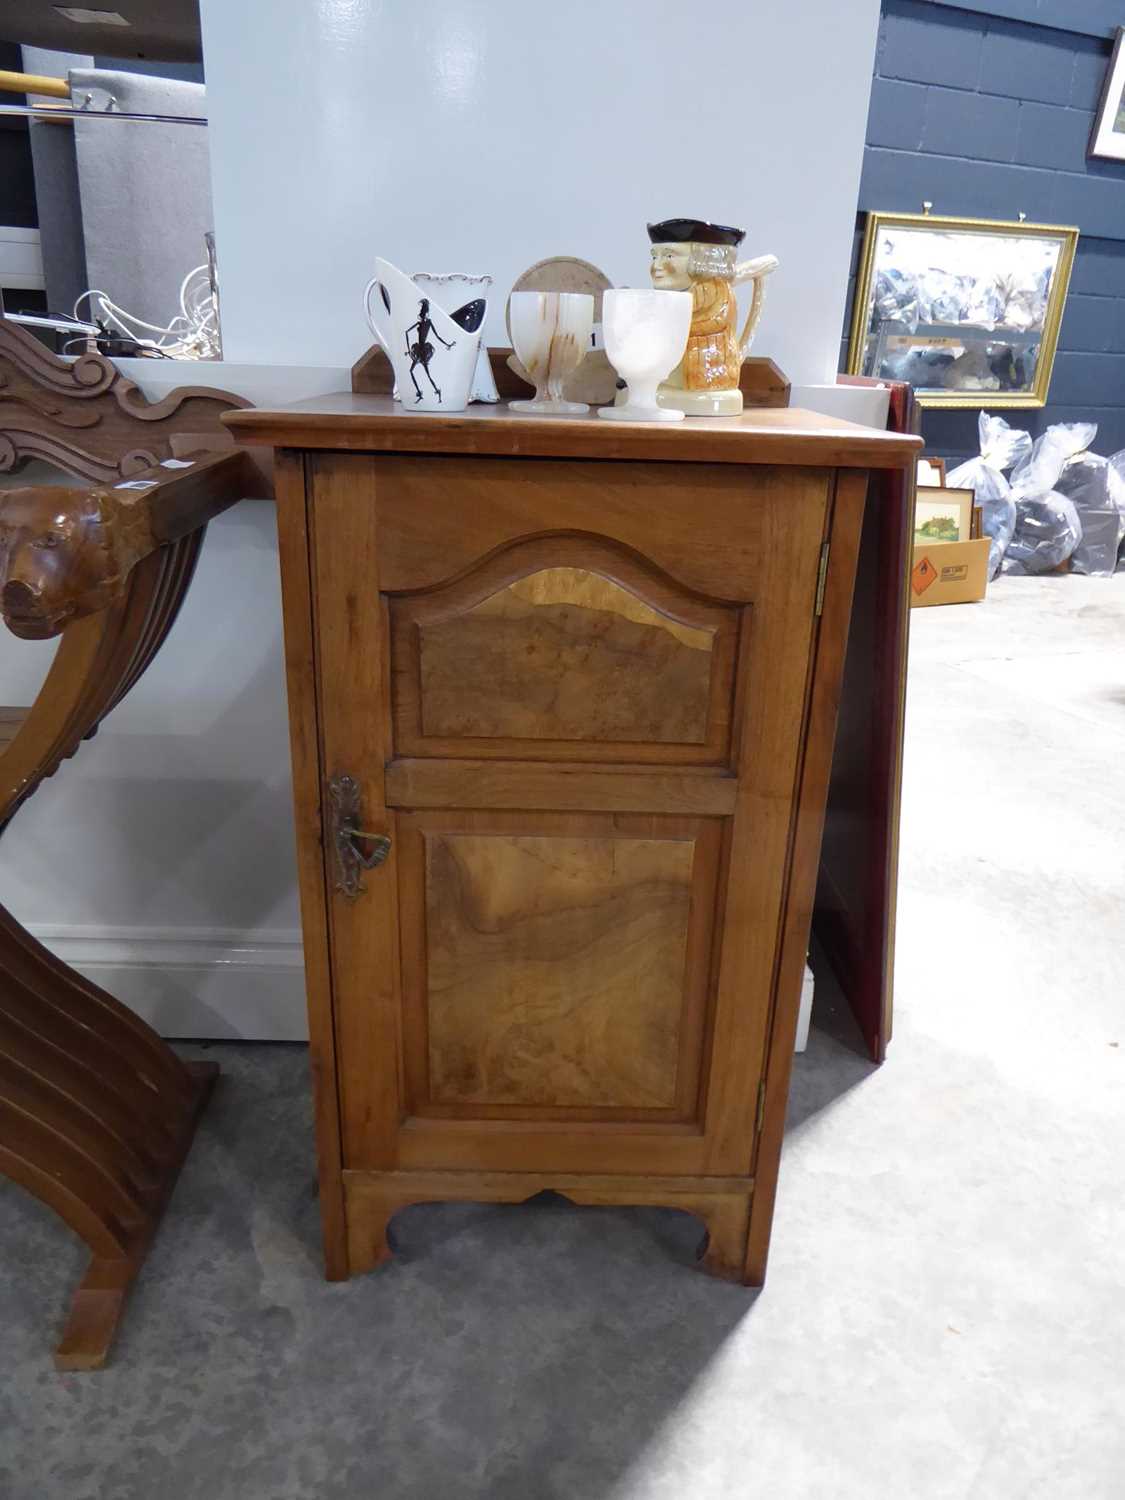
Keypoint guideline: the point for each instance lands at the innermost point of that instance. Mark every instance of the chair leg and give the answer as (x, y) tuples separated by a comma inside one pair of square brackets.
[(97, 1115)]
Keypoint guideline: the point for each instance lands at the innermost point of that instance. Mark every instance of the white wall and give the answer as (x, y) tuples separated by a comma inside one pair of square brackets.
[(482, 135), (479, 135), (160, 859)]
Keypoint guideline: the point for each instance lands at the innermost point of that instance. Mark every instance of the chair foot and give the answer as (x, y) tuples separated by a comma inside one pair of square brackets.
[(99, 1301)]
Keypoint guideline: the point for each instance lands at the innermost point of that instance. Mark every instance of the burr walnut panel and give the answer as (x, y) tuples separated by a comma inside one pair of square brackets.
[(561, 964), (548, 958), (595, 650)]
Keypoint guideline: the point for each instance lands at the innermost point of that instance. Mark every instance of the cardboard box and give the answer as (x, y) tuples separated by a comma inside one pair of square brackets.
[(949, 572)]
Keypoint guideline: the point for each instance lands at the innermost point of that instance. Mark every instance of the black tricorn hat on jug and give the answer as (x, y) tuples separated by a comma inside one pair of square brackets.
[(676, 231)]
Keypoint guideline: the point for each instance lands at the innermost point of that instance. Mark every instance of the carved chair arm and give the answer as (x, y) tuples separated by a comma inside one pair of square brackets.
[(109, 567), (68, 552)]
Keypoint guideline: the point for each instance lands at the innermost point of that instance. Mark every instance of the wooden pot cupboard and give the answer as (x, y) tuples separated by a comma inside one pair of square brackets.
[(562, 696)]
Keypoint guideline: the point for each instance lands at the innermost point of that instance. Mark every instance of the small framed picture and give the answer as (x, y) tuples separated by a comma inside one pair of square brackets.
[(943, 515), (1108, 138), (931, 471)]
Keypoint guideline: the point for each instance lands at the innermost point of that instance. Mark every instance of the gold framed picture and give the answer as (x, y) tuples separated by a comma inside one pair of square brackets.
[(943, 515), (967, 310)]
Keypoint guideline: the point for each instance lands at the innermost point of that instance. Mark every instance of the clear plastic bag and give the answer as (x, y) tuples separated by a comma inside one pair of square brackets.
[(1001, 446), (1117, 465), (1047, 532), (1037, 473), (1097, 489), (1048, 527)]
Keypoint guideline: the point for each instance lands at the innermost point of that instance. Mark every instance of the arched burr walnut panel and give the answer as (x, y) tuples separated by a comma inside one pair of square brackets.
[(595, 664), (96, 1111), (563, 646)]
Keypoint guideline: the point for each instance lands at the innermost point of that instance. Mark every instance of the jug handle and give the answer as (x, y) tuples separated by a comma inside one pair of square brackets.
[(380, 338), (755, 270)]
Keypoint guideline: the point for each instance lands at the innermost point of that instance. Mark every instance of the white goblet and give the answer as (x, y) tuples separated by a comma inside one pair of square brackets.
[(551, 334), (646, 333)]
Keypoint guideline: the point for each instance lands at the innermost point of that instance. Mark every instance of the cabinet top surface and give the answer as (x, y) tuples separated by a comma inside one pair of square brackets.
[(784, 435)]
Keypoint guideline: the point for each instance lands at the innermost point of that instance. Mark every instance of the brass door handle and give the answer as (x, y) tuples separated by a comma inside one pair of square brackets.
[(381, 846), (351, 859)]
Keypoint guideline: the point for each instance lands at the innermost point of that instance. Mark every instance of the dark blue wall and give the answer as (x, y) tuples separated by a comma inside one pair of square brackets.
[(1098, 18), (17, 183), (988, 117)]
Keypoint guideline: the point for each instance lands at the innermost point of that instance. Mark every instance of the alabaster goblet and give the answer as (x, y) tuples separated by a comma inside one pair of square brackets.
[(551, 333), (646, 333)]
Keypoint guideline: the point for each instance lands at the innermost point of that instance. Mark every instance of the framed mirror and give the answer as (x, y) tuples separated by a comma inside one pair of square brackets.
[(967, 310), (116, 175)]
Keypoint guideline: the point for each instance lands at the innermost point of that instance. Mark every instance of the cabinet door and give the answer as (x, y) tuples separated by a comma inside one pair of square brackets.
[(573, 696)]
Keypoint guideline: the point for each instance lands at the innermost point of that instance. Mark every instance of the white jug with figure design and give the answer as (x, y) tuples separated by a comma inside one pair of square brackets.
[(433, 352), (453, 290)]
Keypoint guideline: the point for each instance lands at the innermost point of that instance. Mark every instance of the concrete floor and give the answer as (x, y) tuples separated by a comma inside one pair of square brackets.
[(945, 1314)]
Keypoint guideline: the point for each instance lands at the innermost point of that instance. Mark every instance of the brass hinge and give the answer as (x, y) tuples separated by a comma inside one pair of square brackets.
[(821, 580), (761, 1107)]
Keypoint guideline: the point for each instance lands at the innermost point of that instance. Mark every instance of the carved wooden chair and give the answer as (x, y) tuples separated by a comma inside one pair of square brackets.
[(96, 1112)]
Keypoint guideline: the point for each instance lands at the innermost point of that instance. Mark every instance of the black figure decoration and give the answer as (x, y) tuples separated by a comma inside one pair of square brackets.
[(421, 351)]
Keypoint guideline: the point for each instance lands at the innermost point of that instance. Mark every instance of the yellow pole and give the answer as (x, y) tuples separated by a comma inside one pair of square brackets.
[(34, 83)]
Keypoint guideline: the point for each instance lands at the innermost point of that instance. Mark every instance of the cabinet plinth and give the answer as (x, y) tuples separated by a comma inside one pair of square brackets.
[(585, 681)]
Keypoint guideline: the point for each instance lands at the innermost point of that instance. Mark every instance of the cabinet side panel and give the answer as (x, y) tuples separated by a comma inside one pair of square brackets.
[(354, 700), (823, 702), (853, 919), (771, 698), (300, 669)]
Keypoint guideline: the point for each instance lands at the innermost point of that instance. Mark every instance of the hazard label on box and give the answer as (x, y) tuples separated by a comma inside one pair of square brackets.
[(923, 576)]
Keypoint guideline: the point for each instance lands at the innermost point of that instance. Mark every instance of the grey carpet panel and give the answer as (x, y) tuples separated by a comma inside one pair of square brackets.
[(56, 189), (145, 190)]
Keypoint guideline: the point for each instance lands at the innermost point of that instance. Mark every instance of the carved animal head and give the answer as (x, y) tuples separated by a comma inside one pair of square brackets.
[(64, 553)]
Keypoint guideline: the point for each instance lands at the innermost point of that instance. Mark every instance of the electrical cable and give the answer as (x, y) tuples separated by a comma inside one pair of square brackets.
[(192, 334)]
